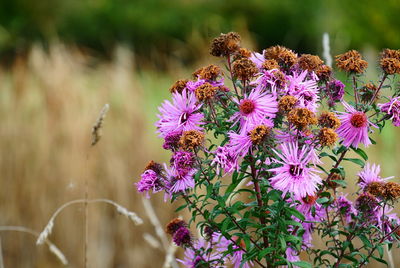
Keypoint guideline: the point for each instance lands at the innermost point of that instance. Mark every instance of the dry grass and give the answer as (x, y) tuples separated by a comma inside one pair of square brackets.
[(48, 105)]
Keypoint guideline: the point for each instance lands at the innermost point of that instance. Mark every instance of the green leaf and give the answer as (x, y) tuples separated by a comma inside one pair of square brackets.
[(296, 213), (264, 252), (356, 161), (302, 264), (360, 152), (323, 200)]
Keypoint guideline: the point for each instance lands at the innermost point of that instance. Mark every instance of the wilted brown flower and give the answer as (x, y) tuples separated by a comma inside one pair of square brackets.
[(280, 79), (285, 57), (390, 65), (210, 72), (329, 120), (327, 136), (270, 64), (309, 62), (392, 190), (191, 139), (368, 91), (376, 188), (323, 72), (178, 86), (205, 92), (174, 225), (156, 167), (225, 44), (244, 69), (302, 117), (287, 103), (243, 53), (351, 62), (258, 134)]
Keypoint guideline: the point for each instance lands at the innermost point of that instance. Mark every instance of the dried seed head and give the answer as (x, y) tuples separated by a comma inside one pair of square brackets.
[(205, 92), (174, 225), (302, 117), (285, 57), (244, 69), (323, 72), (329, 120), (210, 72), (377, 189), (225, 44), (309, 62), (366, 203), (391, 53), (270, 65), (390, 65), (178, 86), (191, 139), (327, 136), (351, 62), (392, 190), (280, 79), (258, 134), (96, 129), (287, 103), (243, 53), (156, 167), (368, 91), (332, 180)]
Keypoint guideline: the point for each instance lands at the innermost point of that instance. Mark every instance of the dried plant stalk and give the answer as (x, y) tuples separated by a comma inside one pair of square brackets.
[(96, 134)]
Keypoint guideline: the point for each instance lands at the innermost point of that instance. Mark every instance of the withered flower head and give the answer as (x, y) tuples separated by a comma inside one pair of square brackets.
[(178, 86), (225, 44), (323, 72), (366, 203), (280, 79), (329, 120), (368, 91), (302, 117), (244, 69), (351, 62), (205, 92), (376, 188), (327, 136), (392, 190), (390, 65), (174, 225), (309, 62), (156, 167), (243, 53), (285, 57), (270, 64), (191, 139), (287, 103), (258, 134), (210, 72), (332, 180)]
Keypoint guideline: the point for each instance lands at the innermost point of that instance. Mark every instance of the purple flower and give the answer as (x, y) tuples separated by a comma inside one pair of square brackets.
[(236, 258), (392, 108), (240, 144), (182, 237), (183, 162), (197, 254), (225, 159), (171, 140), (354, 127), (334, 91), (345, 207), (258, 59), (370, 174), (304, 89), (292, 255), (182, 115), (294, 176), (177, 183), (255, 109), (150, 181)]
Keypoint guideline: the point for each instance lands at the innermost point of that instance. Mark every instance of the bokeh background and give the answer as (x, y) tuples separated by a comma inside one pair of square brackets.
[(62, 60)]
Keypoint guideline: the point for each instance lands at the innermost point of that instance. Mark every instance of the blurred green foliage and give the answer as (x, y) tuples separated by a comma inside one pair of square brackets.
[(160, 24)]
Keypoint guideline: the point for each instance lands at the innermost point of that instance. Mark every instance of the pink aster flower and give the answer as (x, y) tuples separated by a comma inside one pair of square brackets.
[(268, 81), (304, 89), (197, 254), (240, 144), (369, 174), (255, 109), (225, 159), (178, 183), (181, 115), (392, 108), (258, 59), (354, 127), (294, 176), (345, 207), (150, 181)]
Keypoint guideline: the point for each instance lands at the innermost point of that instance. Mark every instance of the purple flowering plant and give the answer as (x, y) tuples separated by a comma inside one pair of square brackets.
[(257, 153)]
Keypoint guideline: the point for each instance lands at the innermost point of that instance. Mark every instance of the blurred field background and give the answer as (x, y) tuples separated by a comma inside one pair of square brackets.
[(61, 61)]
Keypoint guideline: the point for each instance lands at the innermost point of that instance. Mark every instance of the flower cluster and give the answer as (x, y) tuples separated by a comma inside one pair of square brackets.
[(252, 158)]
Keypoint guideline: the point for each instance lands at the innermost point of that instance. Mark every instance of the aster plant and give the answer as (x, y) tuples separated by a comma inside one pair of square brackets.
[(257, 153)]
